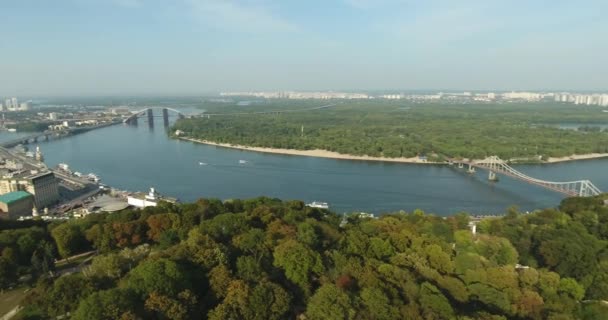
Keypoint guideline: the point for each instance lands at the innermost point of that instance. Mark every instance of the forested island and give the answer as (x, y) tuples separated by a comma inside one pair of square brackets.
[(386, 129), (270, 259)]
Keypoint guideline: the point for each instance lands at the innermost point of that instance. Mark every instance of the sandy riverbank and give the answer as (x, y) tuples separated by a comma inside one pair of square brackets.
[(311, 153), (335, 155), (578, 157)]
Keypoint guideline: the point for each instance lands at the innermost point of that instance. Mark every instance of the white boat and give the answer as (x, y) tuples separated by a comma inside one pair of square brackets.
[(78, 174), (242, 161), (367, 215), (320, 205), (202, 164), (93, 177)]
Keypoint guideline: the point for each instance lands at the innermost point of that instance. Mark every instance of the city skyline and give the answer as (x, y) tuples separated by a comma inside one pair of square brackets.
[(95, 47)]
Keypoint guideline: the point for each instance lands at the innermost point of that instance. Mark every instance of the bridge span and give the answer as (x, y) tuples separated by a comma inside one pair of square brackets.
[(579, 188), (48, 134), (132, 119)]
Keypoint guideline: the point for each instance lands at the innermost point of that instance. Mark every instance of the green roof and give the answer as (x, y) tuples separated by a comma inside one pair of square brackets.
[(11, 197)]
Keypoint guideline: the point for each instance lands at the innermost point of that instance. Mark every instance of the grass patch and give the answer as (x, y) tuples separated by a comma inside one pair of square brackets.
[(10, 299)]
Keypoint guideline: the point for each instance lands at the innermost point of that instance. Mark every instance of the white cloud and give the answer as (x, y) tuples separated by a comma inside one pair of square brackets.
[(235, 16)]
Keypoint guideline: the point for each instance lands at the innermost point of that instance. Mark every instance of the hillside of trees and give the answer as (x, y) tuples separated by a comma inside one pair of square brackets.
[(269, 259), (406, 129)]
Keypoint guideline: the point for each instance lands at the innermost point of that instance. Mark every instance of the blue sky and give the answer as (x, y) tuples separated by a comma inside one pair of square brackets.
[(81, 47)]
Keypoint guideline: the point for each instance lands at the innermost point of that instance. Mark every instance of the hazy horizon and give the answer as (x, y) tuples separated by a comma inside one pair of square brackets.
[(194, 47)]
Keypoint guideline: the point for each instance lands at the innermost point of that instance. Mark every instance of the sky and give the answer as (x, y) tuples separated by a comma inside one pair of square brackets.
[(128, 47)]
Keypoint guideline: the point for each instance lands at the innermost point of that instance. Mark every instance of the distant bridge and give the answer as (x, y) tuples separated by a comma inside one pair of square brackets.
[(132, 119), (580, 188), (48, 134)]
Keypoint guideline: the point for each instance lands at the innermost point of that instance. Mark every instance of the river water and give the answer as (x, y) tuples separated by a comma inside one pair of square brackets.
[(137, 157)]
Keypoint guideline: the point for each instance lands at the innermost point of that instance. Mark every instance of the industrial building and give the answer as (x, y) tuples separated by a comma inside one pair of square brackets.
[(42, 185)]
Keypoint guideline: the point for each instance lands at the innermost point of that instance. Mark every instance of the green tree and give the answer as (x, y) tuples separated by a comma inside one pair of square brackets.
[(66, 293), (107, 305), (8, 272), (299, 263), (163, 276), (378, 305), (330, 303), (69, 239), (248, 268), (267, 301), (434, 304)]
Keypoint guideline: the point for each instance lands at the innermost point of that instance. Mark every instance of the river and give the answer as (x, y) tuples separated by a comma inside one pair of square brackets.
[(136, 158)]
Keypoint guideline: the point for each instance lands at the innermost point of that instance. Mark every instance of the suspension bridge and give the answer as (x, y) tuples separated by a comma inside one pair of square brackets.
[(494, 165)]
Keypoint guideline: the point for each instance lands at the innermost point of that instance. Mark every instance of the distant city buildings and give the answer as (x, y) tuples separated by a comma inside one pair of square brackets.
[(298, 95), (12, 104), (599, 99), (584, 99)]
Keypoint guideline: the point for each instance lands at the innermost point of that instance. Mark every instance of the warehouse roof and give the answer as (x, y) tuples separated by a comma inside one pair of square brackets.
[(11, 197)]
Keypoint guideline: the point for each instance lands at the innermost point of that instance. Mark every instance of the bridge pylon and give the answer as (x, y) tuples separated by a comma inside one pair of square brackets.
[(471, 169), (150, 114), (165, 117), (492, 176)]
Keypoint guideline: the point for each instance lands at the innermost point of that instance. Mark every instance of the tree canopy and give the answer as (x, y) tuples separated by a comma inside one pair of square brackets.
[(268, 259)]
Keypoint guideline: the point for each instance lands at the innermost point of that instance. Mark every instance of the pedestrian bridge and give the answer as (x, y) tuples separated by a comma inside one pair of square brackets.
[(579, 188)]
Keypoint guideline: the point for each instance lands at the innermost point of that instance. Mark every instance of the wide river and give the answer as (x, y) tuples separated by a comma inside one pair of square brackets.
[(136, 158)]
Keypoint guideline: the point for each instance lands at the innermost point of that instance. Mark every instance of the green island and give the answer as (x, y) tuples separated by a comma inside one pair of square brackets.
[(270, 259), (527, 132)]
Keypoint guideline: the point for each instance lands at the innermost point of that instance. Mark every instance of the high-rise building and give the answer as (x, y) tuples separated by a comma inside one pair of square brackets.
[(25, 106), (15, 103), (9, 104), (604, 100), (1, 106)]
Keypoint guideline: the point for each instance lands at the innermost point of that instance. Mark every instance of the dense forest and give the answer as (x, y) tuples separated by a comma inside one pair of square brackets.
[(406, 129), (269, 259)]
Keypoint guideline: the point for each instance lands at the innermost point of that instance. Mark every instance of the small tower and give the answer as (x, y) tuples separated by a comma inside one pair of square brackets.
[(473, 226), (39, 155)]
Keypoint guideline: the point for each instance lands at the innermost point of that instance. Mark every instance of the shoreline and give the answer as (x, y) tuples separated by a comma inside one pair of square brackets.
[(576, 157), (318, 153)]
